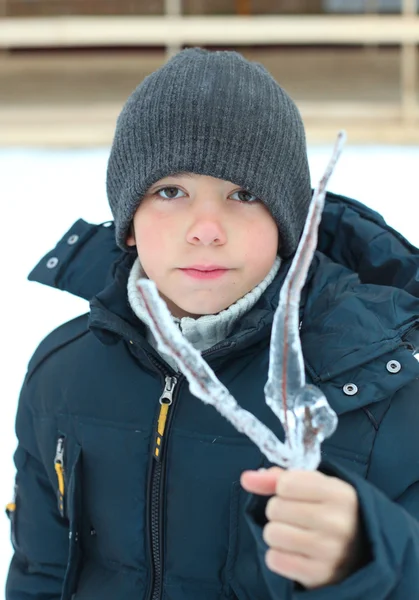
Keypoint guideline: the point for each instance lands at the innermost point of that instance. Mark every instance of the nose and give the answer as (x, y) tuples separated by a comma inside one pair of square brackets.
[(206, 230)]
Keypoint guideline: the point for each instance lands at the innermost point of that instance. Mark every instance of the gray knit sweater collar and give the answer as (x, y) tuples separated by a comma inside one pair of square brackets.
[(206, 331)]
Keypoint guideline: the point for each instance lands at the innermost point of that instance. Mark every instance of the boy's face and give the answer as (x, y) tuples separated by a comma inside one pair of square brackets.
[(205, 242)]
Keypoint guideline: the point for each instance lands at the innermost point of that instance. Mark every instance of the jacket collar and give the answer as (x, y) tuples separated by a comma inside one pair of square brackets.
[(360, 303), (350, 331), (111, 317)]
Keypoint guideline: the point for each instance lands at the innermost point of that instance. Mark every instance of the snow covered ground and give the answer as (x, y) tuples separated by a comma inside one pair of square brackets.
[(43, 192)]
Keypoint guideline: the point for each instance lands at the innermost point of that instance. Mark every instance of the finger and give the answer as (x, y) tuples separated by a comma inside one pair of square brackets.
[(261, 482), (310, 573), (306, 486), (305, 515), (287, 538), (312, 544), (298, 514)]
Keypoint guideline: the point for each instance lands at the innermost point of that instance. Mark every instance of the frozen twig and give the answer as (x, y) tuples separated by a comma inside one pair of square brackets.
[(302, 409), (203, 382)]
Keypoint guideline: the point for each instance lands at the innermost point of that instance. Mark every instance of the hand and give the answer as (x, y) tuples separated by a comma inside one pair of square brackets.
[(313, 529)]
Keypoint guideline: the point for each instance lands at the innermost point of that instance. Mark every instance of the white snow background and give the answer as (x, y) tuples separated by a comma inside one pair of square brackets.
[(43, 192)]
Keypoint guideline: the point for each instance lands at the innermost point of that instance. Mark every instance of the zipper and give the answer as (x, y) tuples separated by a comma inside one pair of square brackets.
[(166, 400), (157, 470), (156, 488), (11, 506), (59, 469)]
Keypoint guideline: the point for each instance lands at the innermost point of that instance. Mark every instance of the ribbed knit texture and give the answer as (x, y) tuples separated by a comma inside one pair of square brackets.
[(206, 331), (217, 114)]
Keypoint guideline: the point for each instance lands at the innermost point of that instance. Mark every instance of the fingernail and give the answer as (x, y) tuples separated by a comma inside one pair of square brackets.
[(262, 469)]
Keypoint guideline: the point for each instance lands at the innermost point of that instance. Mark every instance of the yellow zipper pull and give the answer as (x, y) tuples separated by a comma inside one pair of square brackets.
[(59, 469), (11, 506), (166, 400)]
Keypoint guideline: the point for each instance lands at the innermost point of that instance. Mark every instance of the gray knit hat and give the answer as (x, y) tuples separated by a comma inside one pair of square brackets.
[(212, 113)]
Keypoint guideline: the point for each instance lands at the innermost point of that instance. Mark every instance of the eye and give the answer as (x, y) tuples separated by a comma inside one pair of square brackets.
[(170, 191), (244, 196)]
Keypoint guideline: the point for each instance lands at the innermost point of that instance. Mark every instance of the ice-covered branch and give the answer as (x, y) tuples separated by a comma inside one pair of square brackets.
[(203, 382), (302, 409)]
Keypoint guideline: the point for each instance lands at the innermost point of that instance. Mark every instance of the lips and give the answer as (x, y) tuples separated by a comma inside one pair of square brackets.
[(205, 268), (204, 271)]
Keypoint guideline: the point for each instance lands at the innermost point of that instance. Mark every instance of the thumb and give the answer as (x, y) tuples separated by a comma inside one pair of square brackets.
[(261, 482)]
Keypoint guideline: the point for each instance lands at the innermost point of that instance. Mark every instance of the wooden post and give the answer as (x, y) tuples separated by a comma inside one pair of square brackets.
[(408, 69), (4, 52), (372, 8), (172, 8), (409, 7), (243, 7)]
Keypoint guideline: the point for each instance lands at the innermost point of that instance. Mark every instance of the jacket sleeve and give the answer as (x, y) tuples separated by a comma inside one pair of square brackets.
[(390, 517), (40, 536)]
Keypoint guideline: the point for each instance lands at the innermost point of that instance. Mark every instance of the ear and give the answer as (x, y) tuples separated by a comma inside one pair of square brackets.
[(130, 241)]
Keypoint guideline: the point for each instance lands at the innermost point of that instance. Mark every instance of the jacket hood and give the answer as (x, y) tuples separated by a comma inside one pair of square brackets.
[(350, 234), (362, 265)]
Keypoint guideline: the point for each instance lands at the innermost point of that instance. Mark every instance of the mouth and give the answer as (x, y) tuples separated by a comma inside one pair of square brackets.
[(205, 271)]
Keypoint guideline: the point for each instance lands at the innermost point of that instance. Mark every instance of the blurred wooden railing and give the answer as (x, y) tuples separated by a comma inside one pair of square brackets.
[(174, 30)]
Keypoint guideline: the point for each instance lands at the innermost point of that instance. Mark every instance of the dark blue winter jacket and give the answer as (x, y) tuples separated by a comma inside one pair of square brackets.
[(100, 515)]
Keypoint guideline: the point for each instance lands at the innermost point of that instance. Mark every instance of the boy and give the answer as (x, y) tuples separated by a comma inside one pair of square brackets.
[(127, 486)]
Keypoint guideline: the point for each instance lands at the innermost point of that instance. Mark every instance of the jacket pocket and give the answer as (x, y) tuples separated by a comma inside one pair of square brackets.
[(244, 574), (348, 459), (69, 496), (60, 472), (12, 509), (11, 513)]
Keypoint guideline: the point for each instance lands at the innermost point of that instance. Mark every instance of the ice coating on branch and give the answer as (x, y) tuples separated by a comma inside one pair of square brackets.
[(302, 409), (203, 382)]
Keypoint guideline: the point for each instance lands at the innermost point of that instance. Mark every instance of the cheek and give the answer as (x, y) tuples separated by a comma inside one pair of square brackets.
[(146, 242), (150, 236), (262, 240), (149, 250)]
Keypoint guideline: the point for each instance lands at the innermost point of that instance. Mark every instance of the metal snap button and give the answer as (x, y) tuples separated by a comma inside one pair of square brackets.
[(350, 389), (393, 366), (73, 239), (52, 263)]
